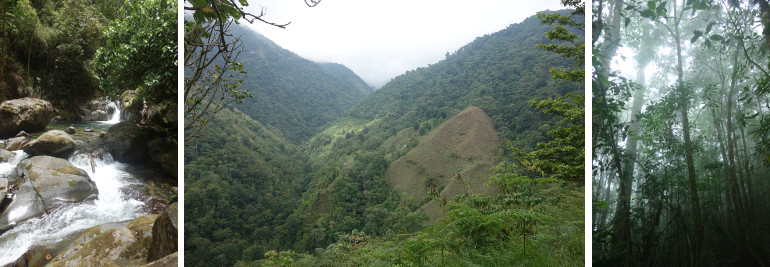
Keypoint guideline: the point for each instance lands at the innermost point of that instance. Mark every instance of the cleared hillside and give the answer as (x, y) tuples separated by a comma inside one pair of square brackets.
[(463, 147)]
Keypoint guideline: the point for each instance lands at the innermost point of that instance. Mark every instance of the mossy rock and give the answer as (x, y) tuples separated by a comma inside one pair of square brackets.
[(115, 244)]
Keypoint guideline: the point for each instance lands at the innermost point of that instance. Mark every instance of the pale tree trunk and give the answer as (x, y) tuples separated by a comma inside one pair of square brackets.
[(691, 175), (621, 227)]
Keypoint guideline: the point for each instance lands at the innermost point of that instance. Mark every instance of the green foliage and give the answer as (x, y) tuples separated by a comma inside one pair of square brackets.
[(242, 182), (53, 45), (141, 50), (575, 49), (335, 200), (290, 93)]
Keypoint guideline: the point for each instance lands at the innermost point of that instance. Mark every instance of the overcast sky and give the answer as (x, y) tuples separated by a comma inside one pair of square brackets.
[(380, 40)]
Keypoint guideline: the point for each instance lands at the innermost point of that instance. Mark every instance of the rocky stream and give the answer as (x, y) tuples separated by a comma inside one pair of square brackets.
[(88, 193)]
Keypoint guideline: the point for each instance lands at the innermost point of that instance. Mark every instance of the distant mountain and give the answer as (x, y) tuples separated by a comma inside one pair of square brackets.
[(347, 75), (294, 95)]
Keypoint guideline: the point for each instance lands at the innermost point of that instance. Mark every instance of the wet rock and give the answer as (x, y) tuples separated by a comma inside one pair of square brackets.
[(40, 255), (111, 108), (3, 189), (57, 181), (88, 130), (127, 141), (155, 199), (5, 155), (114, 244), (70, 130), (52, 143), (164, 234), (24, 114), (22, 133), (24, 206), (15, 143)]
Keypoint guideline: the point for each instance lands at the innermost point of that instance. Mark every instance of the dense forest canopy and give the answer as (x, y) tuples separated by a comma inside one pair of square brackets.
[(681, 127)]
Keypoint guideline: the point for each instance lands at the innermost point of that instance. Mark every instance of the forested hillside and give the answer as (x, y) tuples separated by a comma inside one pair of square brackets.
[(326, 190), (243, 182), (293, 94)]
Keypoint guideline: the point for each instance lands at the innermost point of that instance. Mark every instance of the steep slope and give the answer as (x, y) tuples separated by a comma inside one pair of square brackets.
[(462, 149), (497, 73), (347, 75), (241, 183), (290, 93)]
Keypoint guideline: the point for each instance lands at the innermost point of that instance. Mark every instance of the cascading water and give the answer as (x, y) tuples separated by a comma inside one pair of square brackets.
[(115, 116), (111, 206)]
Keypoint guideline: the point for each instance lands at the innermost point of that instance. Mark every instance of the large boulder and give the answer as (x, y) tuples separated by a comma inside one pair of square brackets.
[(24, 206), (169, 163), (127, 141), (45, 183), (27, 114), (164, 234), (55, 143), (132, 106), (115, 244), (164, 152)]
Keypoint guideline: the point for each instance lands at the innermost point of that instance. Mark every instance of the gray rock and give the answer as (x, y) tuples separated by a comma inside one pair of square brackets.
[(22, 133), (15, 143), (113, 244), (24, 114), (3, 189), (127, 141), (57, 181), (164, 234), (5, 155), (70, 130), (52, 143), (24, 206)]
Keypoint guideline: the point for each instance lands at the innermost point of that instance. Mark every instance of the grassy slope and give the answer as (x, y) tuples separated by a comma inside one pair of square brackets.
[(465, 145)]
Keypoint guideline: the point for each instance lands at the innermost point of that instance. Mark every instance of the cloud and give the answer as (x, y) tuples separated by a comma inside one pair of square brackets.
[(379, 40)]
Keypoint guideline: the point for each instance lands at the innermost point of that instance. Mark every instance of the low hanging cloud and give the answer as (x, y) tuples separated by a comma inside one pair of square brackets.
[(380, 40)]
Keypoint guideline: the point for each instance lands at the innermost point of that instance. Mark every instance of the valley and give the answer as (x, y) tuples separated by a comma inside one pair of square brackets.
[(317, 168)]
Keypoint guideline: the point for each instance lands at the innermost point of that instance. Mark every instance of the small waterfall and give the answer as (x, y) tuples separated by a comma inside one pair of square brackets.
[(6, 168), (56, 226), (115, 116)]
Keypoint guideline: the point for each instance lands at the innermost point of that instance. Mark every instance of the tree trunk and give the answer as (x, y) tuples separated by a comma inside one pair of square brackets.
[(621, 228), (4, 43), (691, 175)]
